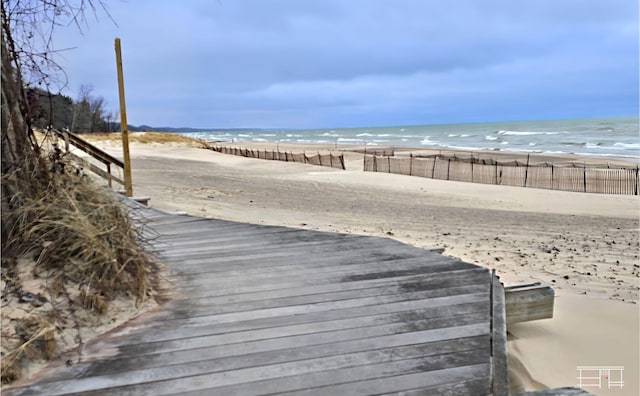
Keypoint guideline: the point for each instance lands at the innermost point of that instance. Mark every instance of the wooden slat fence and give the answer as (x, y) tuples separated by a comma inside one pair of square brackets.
[(329, 160), (385, 152), (574, 177)]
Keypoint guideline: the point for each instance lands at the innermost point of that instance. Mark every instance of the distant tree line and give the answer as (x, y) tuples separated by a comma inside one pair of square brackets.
[(86, 114)]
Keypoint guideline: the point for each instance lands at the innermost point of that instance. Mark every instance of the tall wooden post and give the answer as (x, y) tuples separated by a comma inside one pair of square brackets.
[(123, 123)]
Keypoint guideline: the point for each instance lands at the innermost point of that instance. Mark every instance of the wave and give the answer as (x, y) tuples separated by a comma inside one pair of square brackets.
[(632, 146), (489, 137), (526, 133), (364, 134), (607, 155), (428, 142), (579, 144)]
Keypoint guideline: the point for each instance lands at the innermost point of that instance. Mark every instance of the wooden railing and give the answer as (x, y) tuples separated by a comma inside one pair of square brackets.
[(71, 139)]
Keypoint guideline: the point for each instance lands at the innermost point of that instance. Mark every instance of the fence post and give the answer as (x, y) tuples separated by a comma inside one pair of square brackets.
[(472, 161), (433, 169), (552, 174), (585, 176), (636, 181), (331, 160), (375, 164), (388, 164), (411, 164), (496, 173), (342, 161), (526, 171), (448, 168)]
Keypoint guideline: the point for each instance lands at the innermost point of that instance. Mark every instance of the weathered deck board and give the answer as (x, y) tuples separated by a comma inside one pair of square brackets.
[(263, 310)]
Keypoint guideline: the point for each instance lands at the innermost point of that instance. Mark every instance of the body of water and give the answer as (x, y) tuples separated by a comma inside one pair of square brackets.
[(617, 137)]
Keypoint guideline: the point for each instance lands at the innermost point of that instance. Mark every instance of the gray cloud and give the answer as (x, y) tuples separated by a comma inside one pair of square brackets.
[(357, 62)]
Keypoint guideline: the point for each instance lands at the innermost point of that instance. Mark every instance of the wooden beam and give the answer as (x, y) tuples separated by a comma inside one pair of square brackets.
[(123, 122), (528, 302), (499, 364)]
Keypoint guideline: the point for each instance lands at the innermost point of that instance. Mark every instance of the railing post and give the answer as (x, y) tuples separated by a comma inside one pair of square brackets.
[(109, 172), (66, 142)]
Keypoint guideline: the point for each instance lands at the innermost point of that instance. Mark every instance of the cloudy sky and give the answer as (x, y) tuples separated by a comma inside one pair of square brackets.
[(342, 63)]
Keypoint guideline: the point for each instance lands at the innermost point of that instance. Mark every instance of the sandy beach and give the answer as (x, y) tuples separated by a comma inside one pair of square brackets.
[(585, 245)]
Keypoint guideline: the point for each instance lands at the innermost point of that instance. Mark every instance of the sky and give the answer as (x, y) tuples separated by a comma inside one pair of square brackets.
[(354, 63)]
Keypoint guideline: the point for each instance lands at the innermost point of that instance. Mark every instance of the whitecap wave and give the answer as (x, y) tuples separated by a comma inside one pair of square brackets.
[(428, 142), (527, 133), (627, 146)]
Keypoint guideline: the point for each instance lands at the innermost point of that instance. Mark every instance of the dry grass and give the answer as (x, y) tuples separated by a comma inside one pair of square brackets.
[(37, 341), (80, 236), (148, 138)]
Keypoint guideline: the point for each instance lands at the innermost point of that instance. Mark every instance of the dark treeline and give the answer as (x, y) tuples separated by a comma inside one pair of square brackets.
[(86, 114)]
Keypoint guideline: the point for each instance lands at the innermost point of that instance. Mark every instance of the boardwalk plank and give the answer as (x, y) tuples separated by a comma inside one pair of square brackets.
[(412, 282), (293, 376), (253, 330), (275, 363)]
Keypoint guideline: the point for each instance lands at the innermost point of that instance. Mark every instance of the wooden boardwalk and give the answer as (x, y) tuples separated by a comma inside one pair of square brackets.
[(274, 310)]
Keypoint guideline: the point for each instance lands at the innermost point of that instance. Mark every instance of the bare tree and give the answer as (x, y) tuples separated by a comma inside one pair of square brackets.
[(28, 60), (89, 111)]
